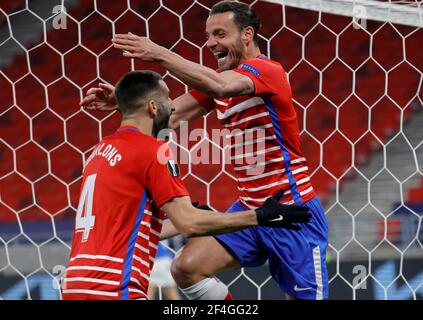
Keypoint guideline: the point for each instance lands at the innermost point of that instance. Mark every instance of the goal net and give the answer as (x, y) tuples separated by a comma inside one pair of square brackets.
[(356, 71)]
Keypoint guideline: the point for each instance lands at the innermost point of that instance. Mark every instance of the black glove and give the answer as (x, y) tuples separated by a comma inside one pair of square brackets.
[(274, 214), (201, 206)]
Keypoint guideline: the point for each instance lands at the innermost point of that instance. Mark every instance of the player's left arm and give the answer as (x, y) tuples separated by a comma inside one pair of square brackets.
[(217, 85)]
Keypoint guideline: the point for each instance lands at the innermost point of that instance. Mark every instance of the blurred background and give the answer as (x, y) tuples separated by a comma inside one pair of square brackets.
[(357, 89)]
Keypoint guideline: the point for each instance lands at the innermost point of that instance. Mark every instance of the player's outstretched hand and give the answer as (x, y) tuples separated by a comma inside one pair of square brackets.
[(101, 98), (274, 214), (134, 46)]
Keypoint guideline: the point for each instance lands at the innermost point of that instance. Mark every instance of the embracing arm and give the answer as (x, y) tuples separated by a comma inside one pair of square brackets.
[(168, 230), (217, 85), (102, 98), (192, 222)]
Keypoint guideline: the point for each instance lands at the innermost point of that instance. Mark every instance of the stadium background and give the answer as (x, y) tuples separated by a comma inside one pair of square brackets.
[(357, 91)]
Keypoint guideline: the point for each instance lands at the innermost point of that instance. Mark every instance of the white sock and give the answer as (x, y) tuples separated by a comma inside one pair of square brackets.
[(207, 289)]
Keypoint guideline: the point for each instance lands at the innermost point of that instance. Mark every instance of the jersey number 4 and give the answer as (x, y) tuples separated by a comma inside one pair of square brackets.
[(84, 217)]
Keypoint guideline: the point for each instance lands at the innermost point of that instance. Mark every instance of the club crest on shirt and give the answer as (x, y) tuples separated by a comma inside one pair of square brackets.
[(173, 168)]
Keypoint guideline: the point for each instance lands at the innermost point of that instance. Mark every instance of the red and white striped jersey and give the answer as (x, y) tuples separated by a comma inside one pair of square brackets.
[(264, 137), (118, 222)]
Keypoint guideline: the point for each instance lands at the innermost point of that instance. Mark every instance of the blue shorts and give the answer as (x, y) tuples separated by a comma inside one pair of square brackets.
[(297, 259)]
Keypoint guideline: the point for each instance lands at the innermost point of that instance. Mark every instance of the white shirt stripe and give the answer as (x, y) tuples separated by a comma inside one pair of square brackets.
[(304, 180), (270, 185), (93, 280), (148, 212), (306, 191), (255, 153), (141, 273), (252, 166), (239, 132), (144, 236), (145, 250), (299, 182), (155, 233), (147, 264), (116, 271), (260, 115), (137, 291), (267, 186), (246, 143), (95, 257), (255, 101), (243, 199), (302, 169), (221, 103), (254, 199), (145, 223), (95, 292), (136, 281), (298, 160), (262, 175), (302, 192)]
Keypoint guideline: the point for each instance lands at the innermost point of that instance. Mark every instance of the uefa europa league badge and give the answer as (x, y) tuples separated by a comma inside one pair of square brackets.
[(173, 168)]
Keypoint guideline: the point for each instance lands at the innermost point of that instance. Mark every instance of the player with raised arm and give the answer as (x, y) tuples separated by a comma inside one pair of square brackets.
[(249, 92), (127, 188)]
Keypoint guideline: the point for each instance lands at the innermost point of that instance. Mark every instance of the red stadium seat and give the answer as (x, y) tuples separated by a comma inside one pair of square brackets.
[(415, 195)]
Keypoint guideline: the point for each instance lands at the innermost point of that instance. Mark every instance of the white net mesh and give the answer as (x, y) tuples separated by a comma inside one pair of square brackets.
[(357, 88)]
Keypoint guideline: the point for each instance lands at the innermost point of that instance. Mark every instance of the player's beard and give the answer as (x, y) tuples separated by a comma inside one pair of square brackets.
[(234, 56), (161, 122)]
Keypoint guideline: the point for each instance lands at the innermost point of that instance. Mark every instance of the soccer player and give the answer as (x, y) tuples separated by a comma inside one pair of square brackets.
[(129, 182), (249, 92)]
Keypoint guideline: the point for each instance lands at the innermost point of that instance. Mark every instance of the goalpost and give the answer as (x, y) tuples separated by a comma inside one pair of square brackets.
[(356, 71), (397, 12)]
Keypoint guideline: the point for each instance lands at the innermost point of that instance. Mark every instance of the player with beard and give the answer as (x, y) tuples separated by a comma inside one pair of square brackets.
[(127, 188), (249, 92)]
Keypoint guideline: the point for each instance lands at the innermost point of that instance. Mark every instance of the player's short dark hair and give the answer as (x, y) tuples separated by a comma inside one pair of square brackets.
[(244, 15), (135, 88)]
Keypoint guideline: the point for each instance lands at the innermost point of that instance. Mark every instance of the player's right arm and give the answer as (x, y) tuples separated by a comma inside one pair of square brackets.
[(102, 98)]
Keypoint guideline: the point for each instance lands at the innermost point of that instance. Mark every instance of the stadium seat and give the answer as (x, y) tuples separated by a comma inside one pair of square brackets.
[(415, 195)]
